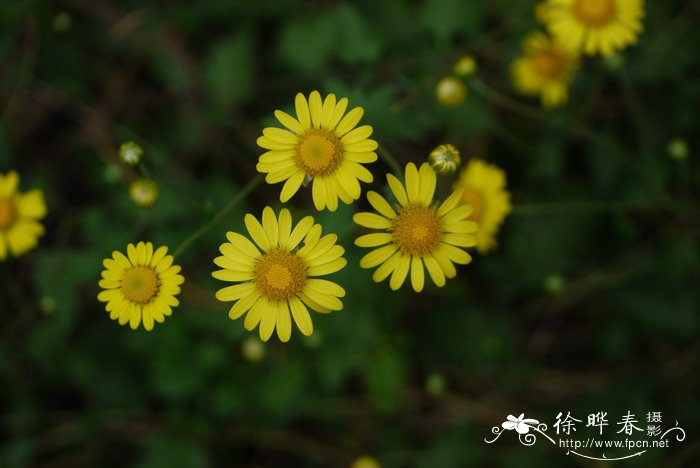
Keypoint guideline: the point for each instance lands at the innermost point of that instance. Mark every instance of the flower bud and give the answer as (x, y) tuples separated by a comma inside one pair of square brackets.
[(465, 66), (253, 349), (677, 149), (435, 384), (130, 153), (450, 92), (365, 461), (444, 159), (144, 192), (554, 284)]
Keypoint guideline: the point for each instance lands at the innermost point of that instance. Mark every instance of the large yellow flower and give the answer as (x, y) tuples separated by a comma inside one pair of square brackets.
[(19, 216), (322, 144), (416, 232), (140, 287), (484, 189), (595, 26), (279, 275), (546, 68)]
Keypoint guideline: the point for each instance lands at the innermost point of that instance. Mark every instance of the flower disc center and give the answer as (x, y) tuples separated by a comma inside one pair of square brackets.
[(280, 275), (474, 198), (318, 153), (417, 229), (8, 213), (140, 284), (594, 12), (547, 64)]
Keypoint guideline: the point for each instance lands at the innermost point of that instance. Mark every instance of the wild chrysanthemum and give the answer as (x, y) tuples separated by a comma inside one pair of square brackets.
[(322, 144), (20, 213), (484, 188), (279, 275), (546, 68), (416, 232), (140, 287), (595, 26)]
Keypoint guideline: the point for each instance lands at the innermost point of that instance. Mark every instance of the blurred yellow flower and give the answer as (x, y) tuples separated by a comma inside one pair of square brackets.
[(450, 92), (546, 68), (278, 275), (365, 461), (140, 287), (465, 66), (483, 188), (19, 216), (144, 192), (595, 26), (323, 144), (418, 232)]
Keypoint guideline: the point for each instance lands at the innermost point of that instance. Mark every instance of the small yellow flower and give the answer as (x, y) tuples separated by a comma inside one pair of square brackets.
[(444, 159), (140, 287), (450, 92), (483, 188), (322, 143), (144, 192), (595, 26), (546, 68), (20, 213), (465, 66), (416, 232), (278, 276)]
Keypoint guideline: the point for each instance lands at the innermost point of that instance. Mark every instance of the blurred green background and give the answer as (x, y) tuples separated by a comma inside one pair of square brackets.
[(589, 304)]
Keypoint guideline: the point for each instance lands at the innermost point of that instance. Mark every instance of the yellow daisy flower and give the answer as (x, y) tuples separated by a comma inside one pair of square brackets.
[(483, 188), (416, 232), (278, 276), (595, 25), (19, 216), (322, 144), (546, 68), (140, 287)]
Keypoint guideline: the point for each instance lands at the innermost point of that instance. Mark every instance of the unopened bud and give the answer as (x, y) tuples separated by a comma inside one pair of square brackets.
[(253, 349), (130, 153), (444, 159), (450, 92), (465, 66), (144, 192), (677, 149)]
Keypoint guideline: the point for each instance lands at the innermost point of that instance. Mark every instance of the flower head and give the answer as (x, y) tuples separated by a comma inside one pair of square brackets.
[(140, 287), (20, 213), (450, 92), (322, 143), (465, 66), (130, 153), (144, 192), (416, 232), (278, 274), (484, 188), (595, 26), (444, 159), (546, 68)]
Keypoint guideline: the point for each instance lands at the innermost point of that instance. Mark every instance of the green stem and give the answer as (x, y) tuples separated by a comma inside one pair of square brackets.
[(219, 216), (507, 102), (390, 161), (586, 207)]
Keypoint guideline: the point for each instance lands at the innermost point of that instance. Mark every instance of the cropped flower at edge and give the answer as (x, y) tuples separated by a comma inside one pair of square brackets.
[(322, 143), (594, 26), (278, 274), (417, 232), (546, 68), (20, 213), (484, 187), (140, 287)]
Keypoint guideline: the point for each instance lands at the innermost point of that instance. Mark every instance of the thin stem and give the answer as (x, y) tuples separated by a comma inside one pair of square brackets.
[(390, 161), (505, 101), (219, 216)]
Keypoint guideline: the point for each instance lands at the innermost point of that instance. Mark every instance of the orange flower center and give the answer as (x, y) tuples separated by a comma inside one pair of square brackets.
[(280, 275), (474, 198), (319, 152), (594, 12), (417, 229), (548, 64), (140, 284), (8, 213)]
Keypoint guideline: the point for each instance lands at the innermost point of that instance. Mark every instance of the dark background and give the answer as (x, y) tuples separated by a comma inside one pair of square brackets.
[(589, 304)]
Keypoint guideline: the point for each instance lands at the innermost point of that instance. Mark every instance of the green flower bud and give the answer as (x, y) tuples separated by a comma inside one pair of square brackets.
[(253, 349), (465, 66), (450, 92), (677, 149), (144, 192), (444, 159), (130, 153)]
